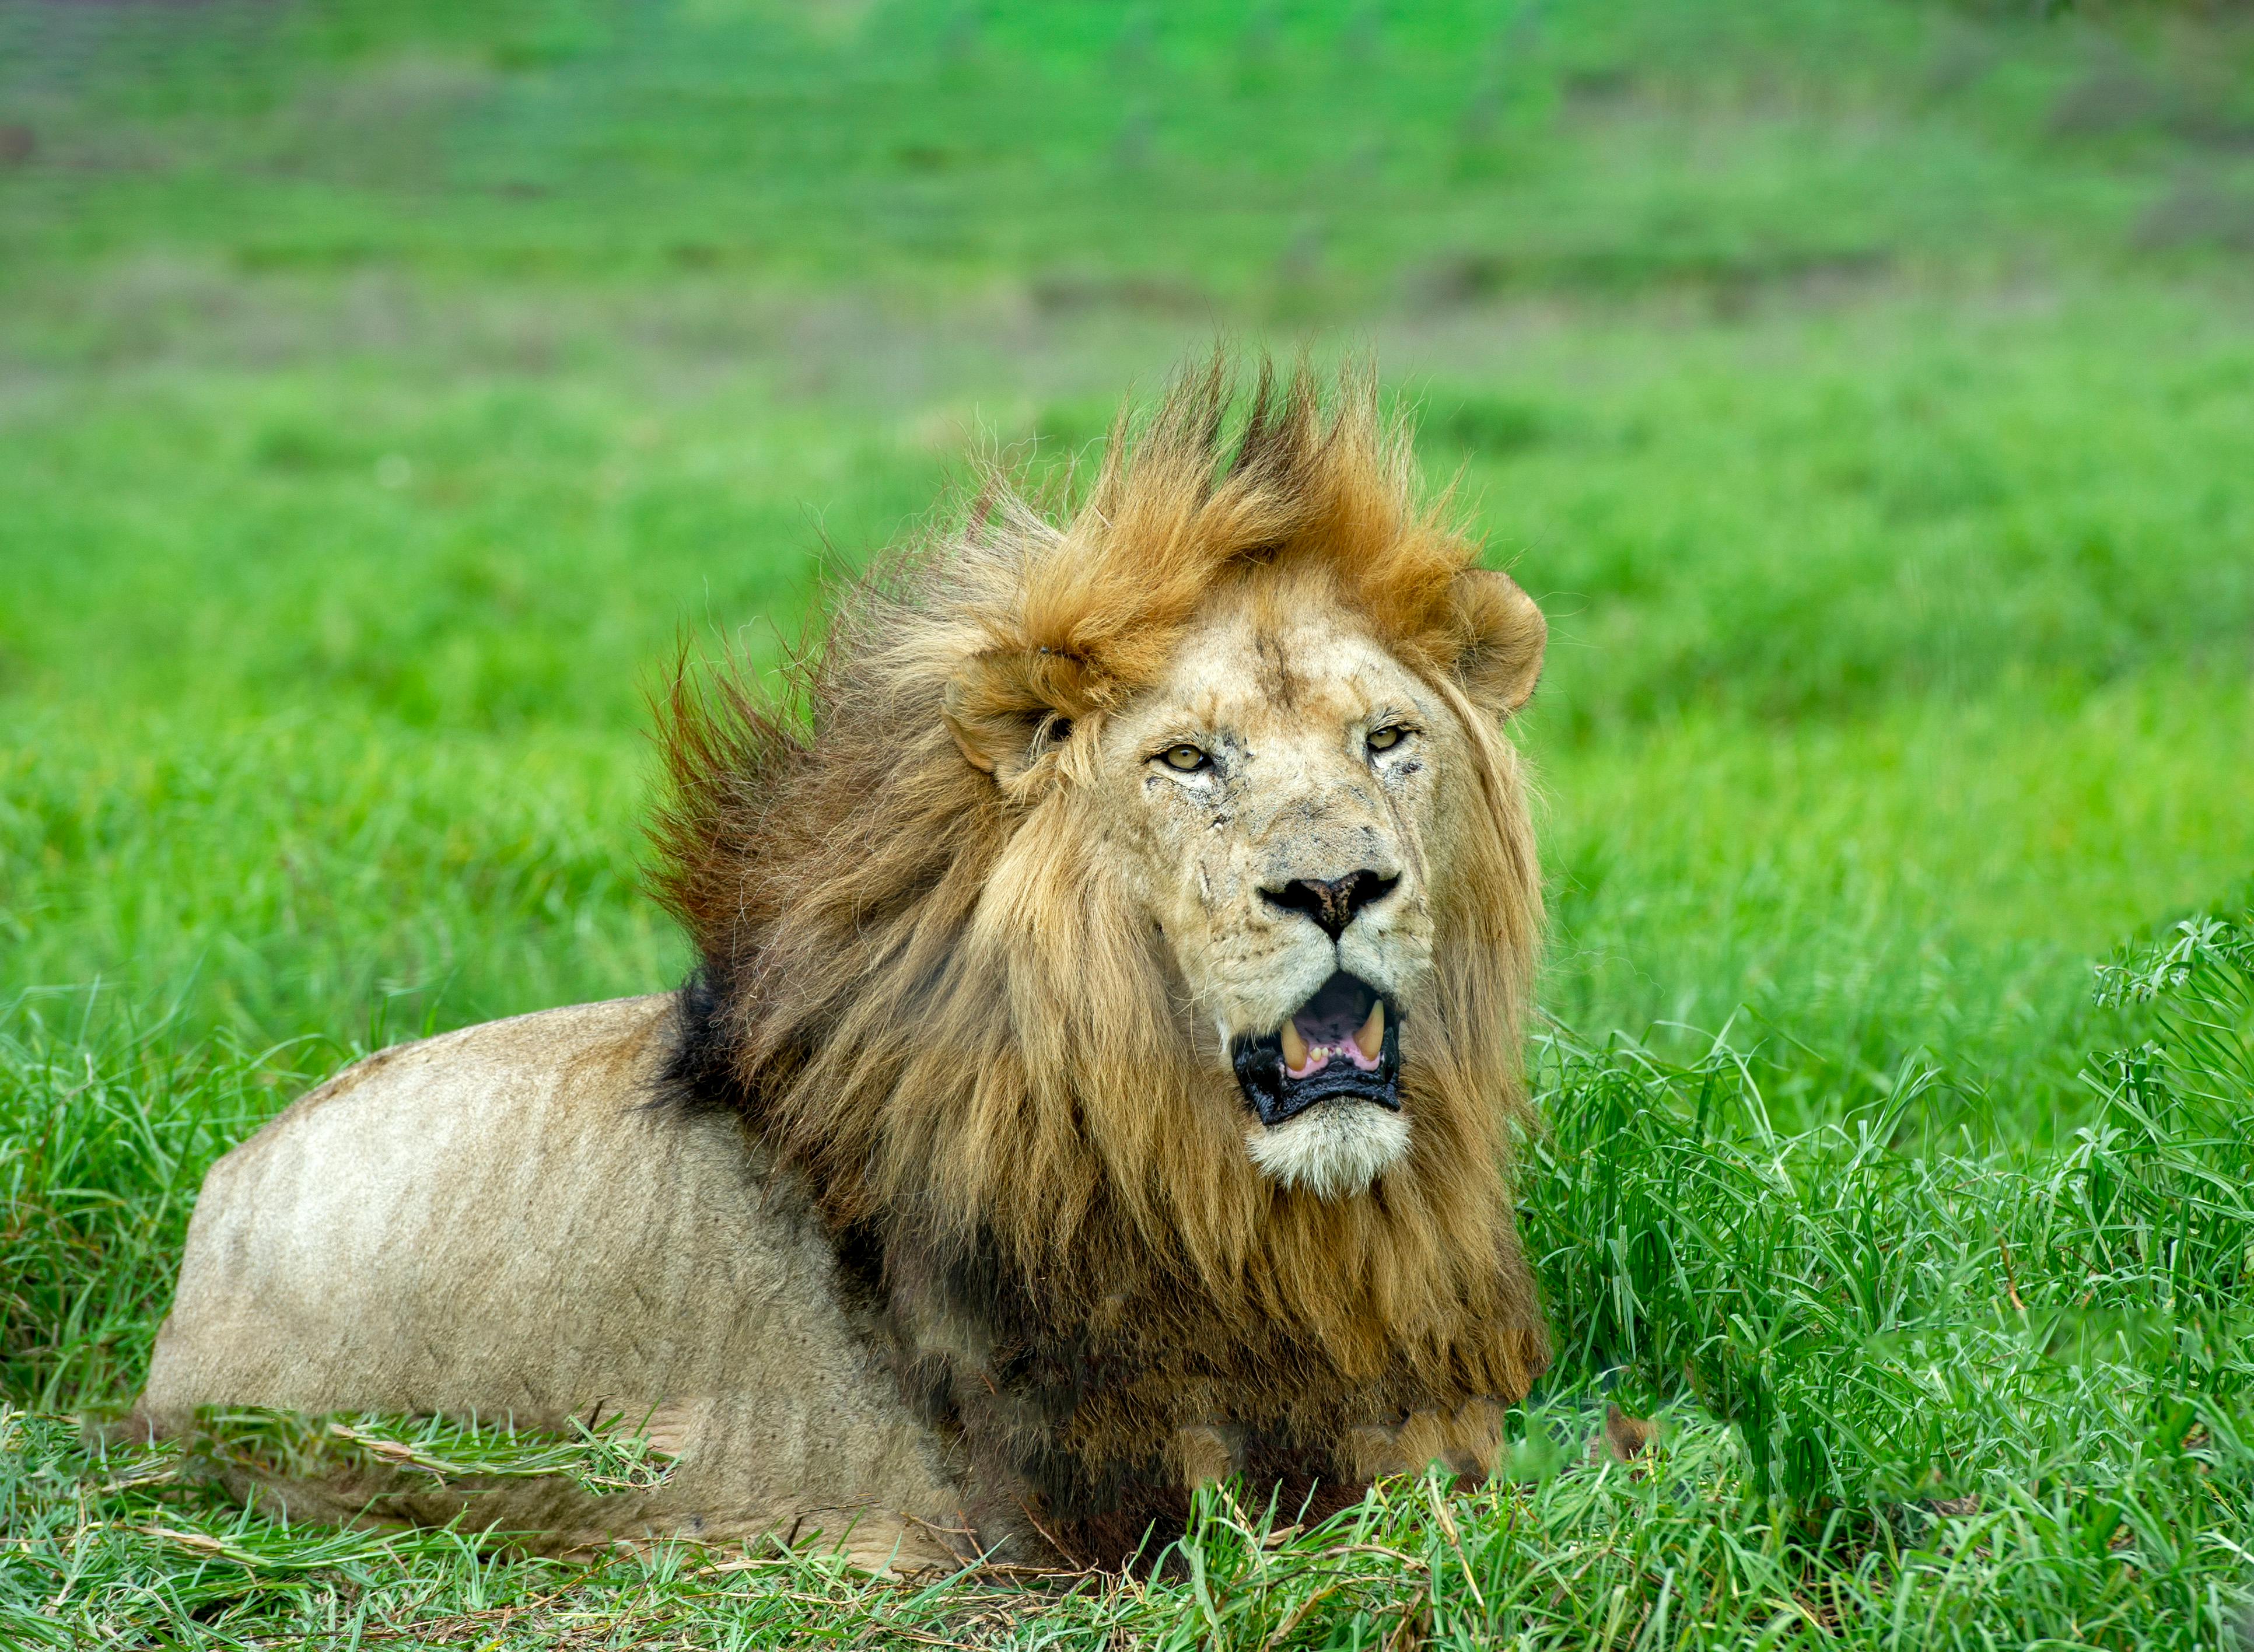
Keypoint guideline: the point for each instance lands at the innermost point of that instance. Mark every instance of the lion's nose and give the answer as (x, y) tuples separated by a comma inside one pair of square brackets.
[(1333, 902)]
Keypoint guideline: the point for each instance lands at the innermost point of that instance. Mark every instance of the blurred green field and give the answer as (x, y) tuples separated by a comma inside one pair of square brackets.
[(387, 392)]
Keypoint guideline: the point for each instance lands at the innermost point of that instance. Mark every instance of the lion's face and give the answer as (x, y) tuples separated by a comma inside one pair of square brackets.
[(1283, 796)]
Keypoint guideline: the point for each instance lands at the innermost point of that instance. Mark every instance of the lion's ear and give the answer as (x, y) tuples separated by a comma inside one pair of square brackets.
[(997, 725), (1502, 637)]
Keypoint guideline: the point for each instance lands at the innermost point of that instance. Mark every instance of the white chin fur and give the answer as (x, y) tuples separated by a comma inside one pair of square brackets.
[(1334, 1150)]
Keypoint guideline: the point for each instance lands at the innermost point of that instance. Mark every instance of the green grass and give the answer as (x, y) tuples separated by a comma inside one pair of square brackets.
[(1917, 1392), (386, 391)]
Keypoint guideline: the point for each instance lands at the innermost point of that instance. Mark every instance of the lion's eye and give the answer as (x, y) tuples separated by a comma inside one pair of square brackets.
[(1386, 738), (1184, 756)]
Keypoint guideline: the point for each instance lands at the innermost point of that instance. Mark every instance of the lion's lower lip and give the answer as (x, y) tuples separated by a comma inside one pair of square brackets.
[(1343, 1043)]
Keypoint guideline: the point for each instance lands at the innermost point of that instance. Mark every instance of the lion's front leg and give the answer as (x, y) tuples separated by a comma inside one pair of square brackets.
[(1465, 1443), (1207, 1454), (1468, 1443)]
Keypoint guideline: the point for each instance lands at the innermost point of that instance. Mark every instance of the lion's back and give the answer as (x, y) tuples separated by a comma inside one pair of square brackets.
[(430, 1188), (513, 1221)]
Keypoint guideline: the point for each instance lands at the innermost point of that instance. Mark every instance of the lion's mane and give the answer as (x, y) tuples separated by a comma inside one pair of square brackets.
[(920, 985)]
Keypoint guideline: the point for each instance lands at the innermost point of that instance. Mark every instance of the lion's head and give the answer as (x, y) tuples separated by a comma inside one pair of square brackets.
[(1139, 899), (1293, 814)]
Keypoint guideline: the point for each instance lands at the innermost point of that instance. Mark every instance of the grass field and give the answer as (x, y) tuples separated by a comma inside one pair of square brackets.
[(1867, 389)]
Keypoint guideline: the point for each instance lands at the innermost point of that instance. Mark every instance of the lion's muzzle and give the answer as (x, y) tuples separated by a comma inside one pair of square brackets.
[(1344, 1043)]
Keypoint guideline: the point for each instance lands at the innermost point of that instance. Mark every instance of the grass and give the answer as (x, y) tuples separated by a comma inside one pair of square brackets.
[(1915, 1393), (386, 390)]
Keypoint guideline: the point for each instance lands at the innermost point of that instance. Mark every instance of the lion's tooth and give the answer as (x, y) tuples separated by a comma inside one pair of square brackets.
[(1371, 1038), (1295, 1047)]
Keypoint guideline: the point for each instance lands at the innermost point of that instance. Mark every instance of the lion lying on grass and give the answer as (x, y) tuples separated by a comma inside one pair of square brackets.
[(1097, 1079)]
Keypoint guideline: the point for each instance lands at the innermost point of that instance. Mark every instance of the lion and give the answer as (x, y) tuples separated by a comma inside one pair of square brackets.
[(1098, 1077)]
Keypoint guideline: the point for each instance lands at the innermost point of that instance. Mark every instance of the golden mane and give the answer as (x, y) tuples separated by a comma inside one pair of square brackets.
[(924, 990)]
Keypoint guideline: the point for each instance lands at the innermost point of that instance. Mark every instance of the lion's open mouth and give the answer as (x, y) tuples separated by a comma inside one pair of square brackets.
[(1343, 1042)]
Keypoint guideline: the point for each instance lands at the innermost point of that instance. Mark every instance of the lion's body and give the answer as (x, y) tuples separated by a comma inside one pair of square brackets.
[(498, 1222), (990, 1128)]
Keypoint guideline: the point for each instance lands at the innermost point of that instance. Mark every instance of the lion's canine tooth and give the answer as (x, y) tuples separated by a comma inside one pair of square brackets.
[(1295, 1047), (1371, 1038)]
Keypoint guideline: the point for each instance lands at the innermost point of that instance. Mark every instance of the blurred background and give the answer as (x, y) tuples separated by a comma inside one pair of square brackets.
[(1866, 388)]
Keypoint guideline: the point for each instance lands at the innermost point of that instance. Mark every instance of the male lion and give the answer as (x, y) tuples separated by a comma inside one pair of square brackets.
[(1098, 1077)]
